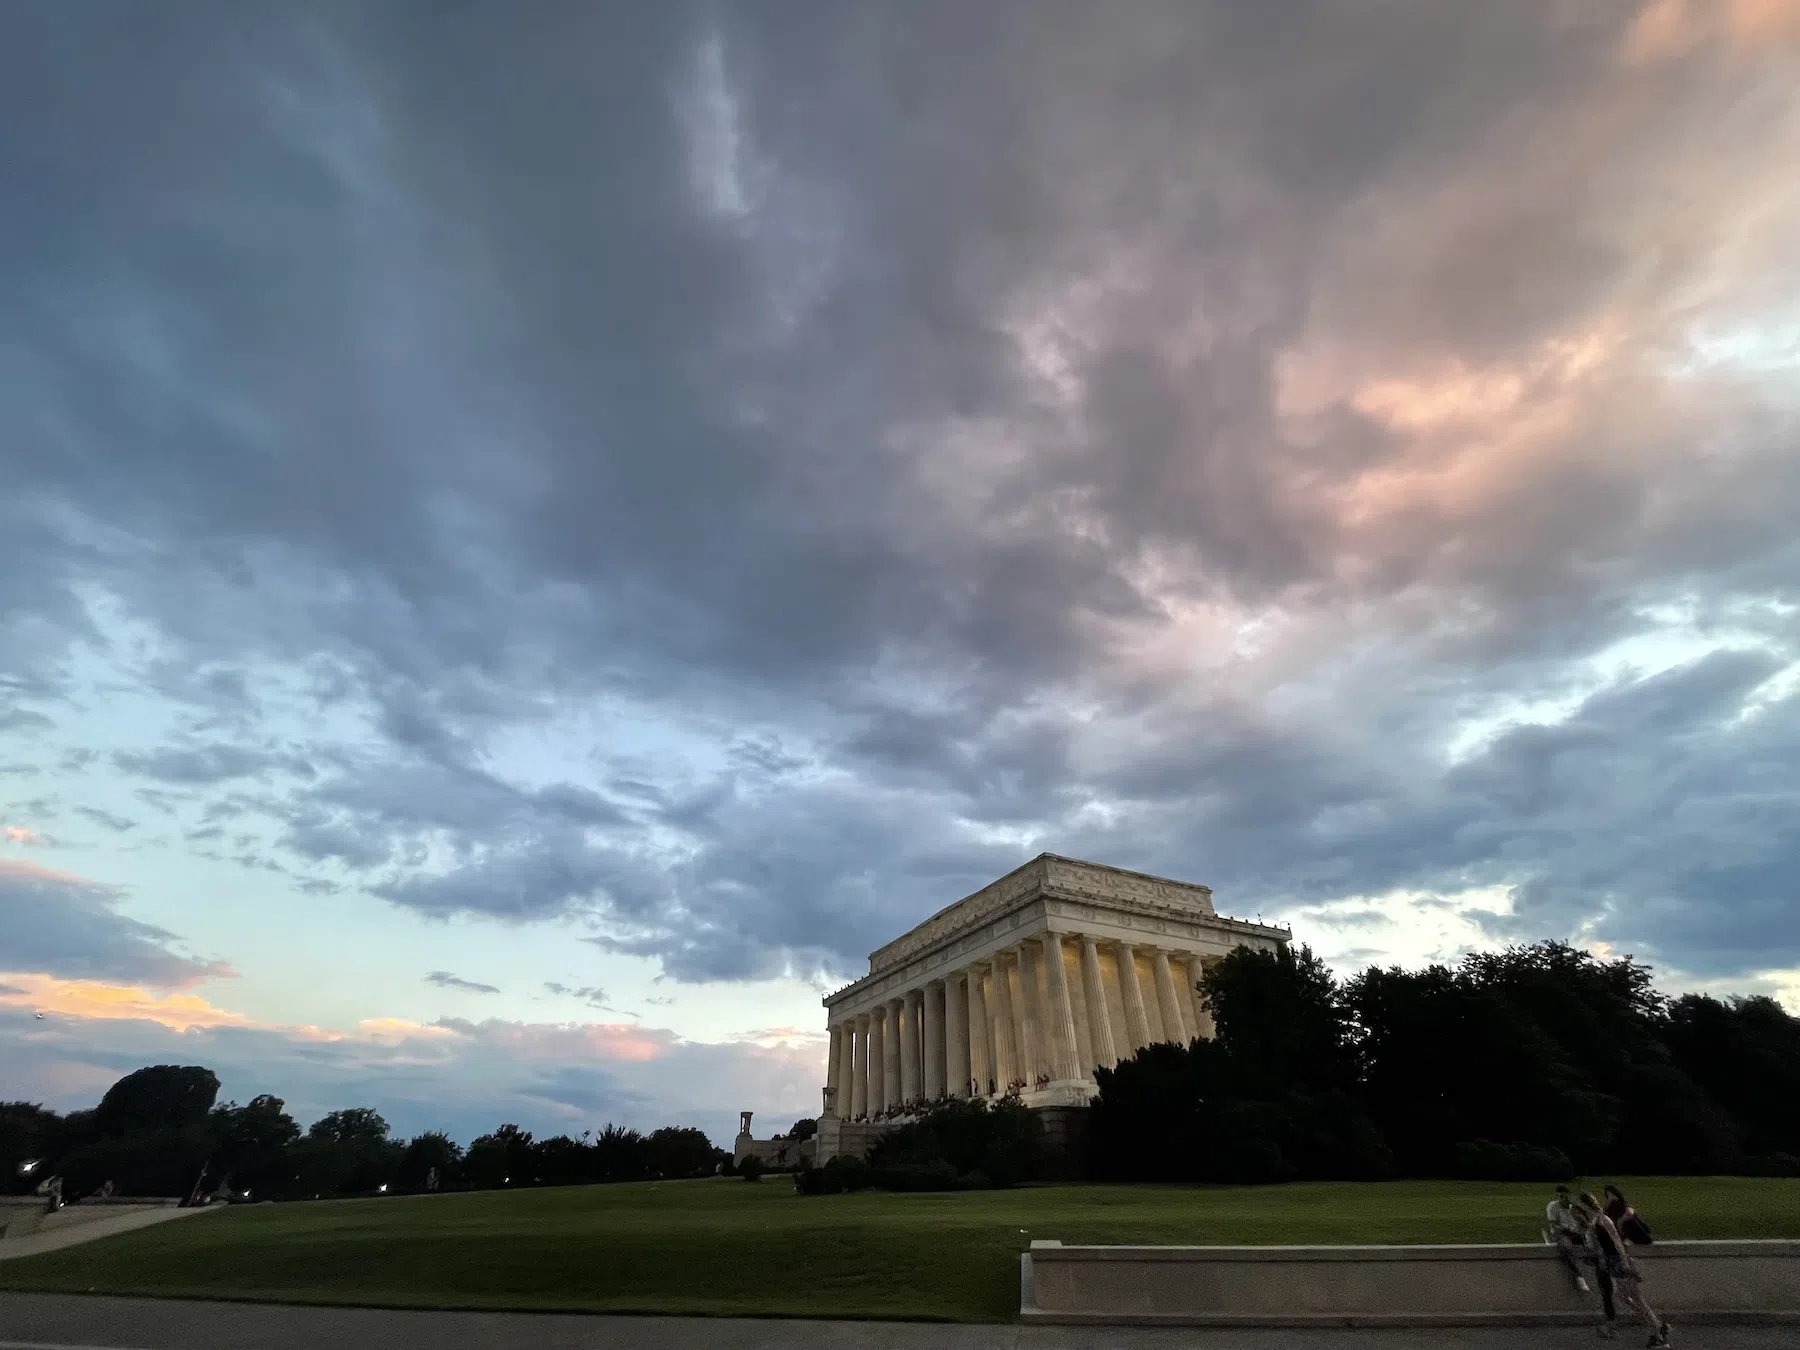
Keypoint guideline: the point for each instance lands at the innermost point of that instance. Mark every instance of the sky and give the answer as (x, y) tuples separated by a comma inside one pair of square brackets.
[(534, 536)]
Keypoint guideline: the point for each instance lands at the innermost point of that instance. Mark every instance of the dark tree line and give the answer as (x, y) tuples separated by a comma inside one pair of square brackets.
[(1532, 1063), (159, 1132)]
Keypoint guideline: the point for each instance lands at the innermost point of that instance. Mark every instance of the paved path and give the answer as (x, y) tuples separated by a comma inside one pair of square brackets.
[(68, 1235), (59, 1322)]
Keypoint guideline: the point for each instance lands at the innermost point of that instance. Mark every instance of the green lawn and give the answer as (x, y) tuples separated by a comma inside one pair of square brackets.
[(731, 1247)]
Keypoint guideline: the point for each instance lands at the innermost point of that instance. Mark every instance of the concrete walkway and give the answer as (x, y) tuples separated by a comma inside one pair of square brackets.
[(70, 1234), (59, 1322)]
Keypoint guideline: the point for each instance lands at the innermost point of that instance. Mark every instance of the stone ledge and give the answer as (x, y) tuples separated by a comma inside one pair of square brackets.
[(1393, 1286), (1449, 1251)]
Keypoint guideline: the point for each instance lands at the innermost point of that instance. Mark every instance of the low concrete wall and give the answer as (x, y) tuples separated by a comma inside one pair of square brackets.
[(847, 1138), (1392, 1286)]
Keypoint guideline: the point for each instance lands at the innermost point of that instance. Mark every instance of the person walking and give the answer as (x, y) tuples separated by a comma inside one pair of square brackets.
[(1618, 1270), (1564, 1232)]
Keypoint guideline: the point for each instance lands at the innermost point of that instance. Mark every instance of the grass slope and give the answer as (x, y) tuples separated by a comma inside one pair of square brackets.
[(730, 1247)]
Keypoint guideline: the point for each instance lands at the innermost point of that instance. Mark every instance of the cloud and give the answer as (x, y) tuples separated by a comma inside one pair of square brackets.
[(199, 766), (464, 1077), (111, 820), (61, 924), (590, 994), (443, 979), (18, 834), (1331, 455), (98, 1000)]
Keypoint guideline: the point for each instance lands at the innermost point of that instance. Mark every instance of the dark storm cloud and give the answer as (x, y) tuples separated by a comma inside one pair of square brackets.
[(935, 398), (58, 924)]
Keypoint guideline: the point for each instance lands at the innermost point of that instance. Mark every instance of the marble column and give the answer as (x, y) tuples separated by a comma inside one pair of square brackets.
[(847, 1069), (877, 1062), (1190, 996), (890, 1072), (1059, 1016), (981, 1038), (1204, 1027), (859, 1080), (1084, 1038), (833, 1067), (1131, 994), (1034, 1059), (931, 1035), (1168, 1000), (1006, 1035), (911, 1043), (1099, 1020), (956, 1036)]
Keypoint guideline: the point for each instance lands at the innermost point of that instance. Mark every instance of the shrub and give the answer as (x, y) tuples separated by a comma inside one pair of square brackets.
[(751, 1169), (1004, 1141), (937, 1175), (1484, 1160), (1252, 1162), (1771, 1165), (836, 1177)]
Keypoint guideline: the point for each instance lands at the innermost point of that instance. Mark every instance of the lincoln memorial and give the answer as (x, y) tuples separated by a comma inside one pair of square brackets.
[(1025, 987)]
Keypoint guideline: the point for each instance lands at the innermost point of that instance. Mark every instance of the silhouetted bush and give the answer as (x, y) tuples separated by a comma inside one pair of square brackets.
[(937, 1175), (1771, 1165), (1484, 1160), (1003, 1141)]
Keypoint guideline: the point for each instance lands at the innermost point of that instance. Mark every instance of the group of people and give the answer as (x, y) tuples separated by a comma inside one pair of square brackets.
[(1591, 1236)]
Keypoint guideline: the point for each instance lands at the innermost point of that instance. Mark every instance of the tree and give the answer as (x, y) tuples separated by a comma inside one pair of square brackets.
[(251, 1144), (346, 1152), (1744, 1055), (503, 1158), (28, 1132), (1282, 1019), (352, 1127), (562, 1161), (425, 1153), (679, 1151), (620, 1154), (163, 1096)]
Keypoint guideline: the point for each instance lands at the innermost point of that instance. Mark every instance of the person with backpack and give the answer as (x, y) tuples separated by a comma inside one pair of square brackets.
[(1627, 1220), (1617, 1271)]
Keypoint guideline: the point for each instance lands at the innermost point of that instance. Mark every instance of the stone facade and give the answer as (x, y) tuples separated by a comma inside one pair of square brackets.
[(779, 1154), (1026, 986)]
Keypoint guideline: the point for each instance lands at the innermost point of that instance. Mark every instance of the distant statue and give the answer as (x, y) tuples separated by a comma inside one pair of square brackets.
[(51, 1188)]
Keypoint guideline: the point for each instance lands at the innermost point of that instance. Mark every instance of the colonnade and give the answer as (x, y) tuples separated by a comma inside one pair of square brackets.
[(1008, 1022)]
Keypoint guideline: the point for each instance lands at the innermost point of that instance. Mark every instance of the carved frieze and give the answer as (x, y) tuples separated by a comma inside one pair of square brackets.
[(1014, 888), (1073, 892)]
